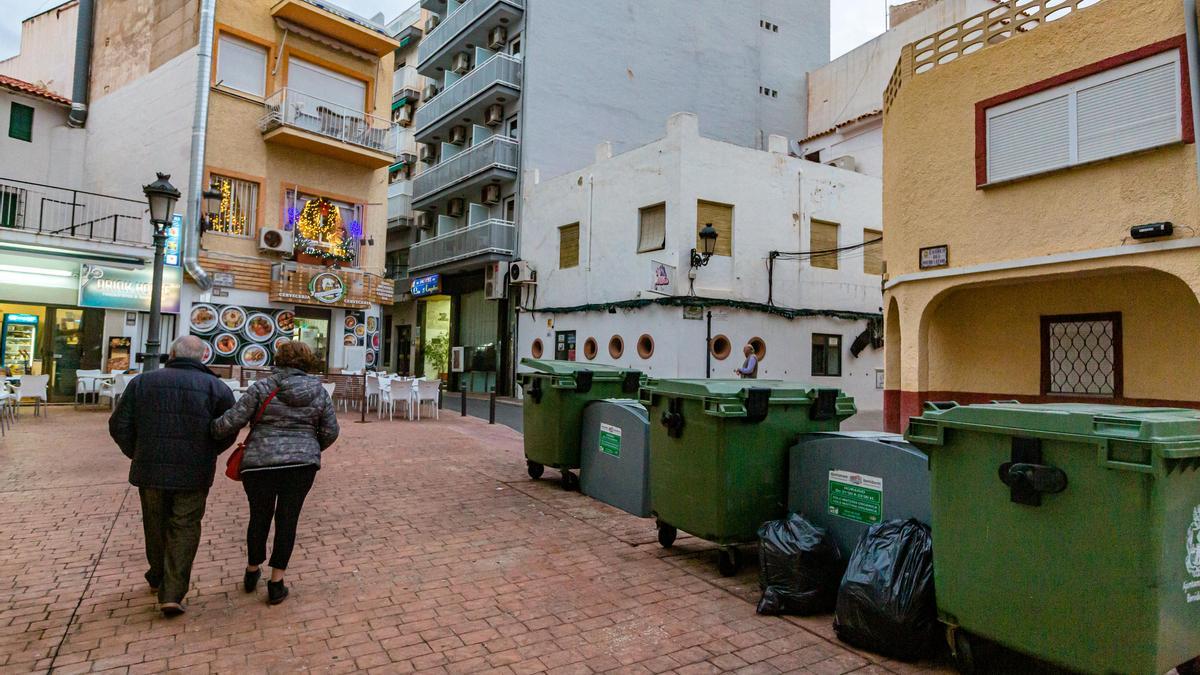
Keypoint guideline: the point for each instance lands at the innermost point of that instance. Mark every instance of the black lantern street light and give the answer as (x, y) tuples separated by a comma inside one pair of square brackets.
[(708, 239), (162, 197), (212, 205)]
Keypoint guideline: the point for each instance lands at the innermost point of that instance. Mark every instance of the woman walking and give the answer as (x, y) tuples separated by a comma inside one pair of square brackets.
[(294, 422)]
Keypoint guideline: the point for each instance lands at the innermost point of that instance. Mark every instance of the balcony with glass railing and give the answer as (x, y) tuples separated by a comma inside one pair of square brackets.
[(400, 210), (292, 117), (495, 159), (496, 80), (406, 84), (470, 22), (489, 240)]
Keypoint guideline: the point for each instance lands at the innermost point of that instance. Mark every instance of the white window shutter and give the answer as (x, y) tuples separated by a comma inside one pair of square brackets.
[(1135, 112), (1029, 140), (242, 65)]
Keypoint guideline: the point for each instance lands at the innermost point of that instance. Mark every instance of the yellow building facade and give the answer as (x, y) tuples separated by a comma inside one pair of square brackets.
[(1025, 149)]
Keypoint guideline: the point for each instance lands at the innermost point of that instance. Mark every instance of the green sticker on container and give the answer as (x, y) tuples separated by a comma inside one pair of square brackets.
[(610, 440), (856, 497)]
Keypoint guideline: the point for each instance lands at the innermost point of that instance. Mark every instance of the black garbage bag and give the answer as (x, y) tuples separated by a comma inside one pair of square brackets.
[(885, 603), (799, 567)]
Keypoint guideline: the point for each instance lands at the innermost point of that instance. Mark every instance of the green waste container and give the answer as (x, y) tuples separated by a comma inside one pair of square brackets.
[(718, 454), (1069, 532), (554, 397)]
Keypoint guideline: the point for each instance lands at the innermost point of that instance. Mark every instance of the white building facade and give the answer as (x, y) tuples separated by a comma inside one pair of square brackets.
[(603, 240)]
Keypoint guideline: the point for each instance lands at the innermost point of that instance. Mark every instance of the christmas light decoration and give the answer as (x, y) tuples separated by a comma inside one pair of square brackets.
[(230, 218), (320, 233)]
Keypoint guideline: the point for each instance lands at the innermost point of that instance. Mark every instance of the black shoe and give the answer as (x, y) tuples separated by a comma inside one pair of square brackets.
[(250, 581), (276, 592), (170, 609)]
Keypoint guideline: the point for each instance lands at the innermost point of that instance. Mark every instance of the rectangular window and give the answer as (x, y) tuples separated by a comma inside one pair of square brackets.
[(242, 65), (872, 253), (652, 228), (514, 46), (826, 355), (238, 211), (20, 122), (12, 206), (1126, 109), (823, 236), (720, 216), (323, 90), (1081, 355), (514, 128), (568, 246)]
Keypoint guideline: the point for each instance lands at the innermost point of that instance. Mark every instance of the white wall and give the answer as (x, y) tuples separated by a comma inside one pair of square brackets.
[(863, 141), (55, 155), (47, 55)]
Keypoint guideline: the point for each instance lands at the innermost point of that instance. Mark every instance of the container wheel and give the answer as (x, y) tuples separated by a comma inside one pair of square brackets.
[(666, 534), (570, 481), (729, 562), (535, 469), (962, 647)]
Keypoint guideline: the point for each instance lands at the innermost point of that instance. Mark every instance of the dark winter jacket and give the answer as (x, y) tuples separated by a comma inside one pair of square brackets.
[(297, 425), (162, 423)]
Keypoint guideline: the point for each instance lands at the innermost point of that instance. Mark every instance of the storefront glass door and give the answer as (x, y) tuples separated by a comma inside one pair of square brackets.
[(435, 337), (74, 344), (314, 332)]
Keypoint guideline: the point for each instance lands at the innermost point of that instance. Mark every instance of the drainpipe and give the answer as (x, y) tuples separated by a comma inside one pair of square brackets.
[(191, 228), (1193, 59), (83, 64)]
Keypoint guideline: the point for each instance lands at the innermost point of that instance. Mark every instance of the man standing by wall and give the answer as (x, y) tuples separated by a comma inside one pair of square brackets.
[(162, 424), (749, 369)]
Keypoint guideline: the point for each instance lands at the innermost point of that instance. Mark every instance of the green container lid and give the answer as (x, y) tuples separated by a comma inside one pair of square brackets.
[(1152, 425), (736, 397), (570, 368)]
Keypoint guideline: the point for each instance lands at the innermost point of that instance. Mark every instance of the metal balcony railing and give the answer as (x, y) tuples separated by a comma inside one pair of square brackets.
[(500, 68), (76, 214), (293, 108), (490, 236), (496, 152), (455, 22)]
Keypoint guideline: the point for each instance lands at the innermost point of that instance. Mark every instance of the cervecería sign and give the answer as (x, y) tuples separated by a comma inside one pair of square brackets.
[(313, 285)]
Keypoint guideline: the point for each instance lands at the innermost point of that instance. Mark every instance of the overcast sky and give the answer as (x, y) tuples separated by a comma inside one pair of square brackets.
[(854, 21)]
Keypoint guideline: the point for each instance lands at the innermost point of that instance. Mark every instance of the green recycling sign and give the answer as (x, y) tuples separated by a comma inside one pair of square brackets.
[(856, 497), (610, 440)]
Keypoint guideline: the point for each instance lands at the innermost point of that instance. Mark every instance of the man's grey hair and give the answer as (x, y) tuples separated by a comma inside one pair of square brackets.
[(188, 347)]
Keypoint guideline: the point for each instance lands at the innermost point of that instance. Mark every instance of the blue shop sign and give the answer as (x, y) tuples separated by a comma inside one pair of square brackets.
[(171, 250), (430, 284), (21, 318)]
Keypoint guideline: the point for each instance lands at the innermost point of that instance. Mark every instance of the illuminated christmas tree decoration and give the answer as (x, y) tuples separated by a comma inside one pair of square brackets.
[(320, 232)]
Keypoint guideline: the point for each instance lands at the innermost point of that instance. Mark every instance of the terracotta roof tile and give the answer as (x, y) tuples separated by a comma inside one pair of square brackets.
[(23, 87)]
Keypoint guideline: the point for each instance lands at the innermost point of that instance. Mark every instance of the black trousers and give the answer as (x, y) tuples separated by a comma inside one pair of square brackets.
[(275, 494), (171, 525)]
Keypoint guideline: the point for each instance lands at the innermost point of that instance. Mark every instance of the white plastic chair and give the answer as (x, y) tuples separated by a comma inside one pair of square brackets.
[(383, 391), (87, 382), (374, 388), (428, 391), (34, 388), (404, 392), (330, 387), (113, 390)]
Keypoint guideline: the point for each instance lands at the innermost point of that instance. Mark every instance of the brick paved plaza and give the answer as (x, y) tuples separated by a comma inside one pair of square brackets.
[(423, 547)]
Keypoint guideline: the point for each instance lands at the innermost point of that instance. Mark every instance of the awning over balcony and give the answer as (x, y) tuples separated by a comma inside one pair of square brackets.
[(339, 24)]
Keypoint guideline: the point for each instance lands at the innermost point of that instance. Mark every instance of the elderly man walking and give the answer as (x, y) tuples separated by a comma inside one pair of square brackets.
[(162, 423)]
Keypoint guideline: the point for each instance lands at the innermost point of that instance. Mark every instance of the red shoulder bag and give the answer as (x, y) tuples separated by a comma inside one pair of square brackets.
[(233, 465)]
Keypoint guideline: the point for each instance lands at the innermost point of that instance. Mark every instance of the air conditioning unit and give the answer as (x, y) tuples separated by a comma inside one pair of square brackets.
[(461, 63), (432, 22), (431, 90), (521, 272), (844, 162), (424, 221), (403, 115), (275, 240), (494, 116), (494, 281), (454, 208), (491, 194), (428, 153), (497, 38), (458, 135)]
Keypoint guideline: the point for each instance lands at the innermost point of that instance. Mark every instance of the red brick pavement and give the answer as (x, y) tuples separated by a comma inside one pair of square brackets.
[(423, 548)]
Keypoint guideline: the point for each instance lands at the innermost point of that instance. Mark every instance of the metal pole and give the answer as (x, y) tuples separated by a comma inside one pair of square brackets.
[(464, 402), (492, 408), (1192, 40), (151, 359), (708, 348), (363, 418)]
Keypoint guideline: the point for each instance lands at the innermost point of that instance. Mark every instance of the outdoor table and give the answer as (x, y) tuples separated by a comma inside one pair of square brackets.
[(96, 381)]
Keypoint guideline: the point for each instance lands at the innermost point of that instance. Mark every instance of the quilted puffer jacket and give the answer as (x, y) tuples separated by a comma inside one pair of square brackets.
[(297, 425)]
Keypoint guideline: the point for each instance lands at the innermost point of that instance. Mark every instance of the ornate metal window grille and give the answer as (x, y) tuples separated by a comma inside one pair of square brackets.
[(1081, 355)]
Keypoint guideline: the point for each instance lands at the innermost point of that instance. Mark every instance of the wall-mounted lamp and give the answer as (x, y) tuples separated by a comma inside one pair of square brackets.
[(708, 239)]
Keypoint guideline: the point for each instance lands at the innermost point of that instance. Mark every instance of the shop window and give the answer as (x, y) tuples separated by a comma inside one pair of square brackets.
[(238, 212), (564, 345), (720, 347), (1081, 355), (590, 348), (872, 252), (759, 346), (616, 346), (826, 355), (537, 349), (645, 346), (720, 216), (568, 246), (242, 65), (20, 122), (652, 228), (822, 244)]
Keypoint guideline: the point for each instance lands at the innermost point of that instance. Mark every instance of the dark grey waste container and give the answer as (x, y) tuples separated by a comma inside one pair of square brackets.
[(615, 455), (849, 480)]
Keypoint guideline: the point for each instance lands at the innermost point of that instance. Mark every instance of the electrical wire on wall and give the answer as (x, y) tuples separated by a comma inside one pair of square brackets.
[(806, 255)]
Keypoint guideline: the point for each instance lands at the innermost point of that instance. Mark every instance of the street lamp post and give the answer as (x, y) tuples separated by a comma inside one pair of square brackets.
[(162, 197)]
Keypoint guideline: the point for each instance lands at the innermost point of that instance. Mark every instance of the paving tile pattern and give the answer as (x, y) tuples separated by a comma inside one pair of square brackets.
[(423, 547)]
